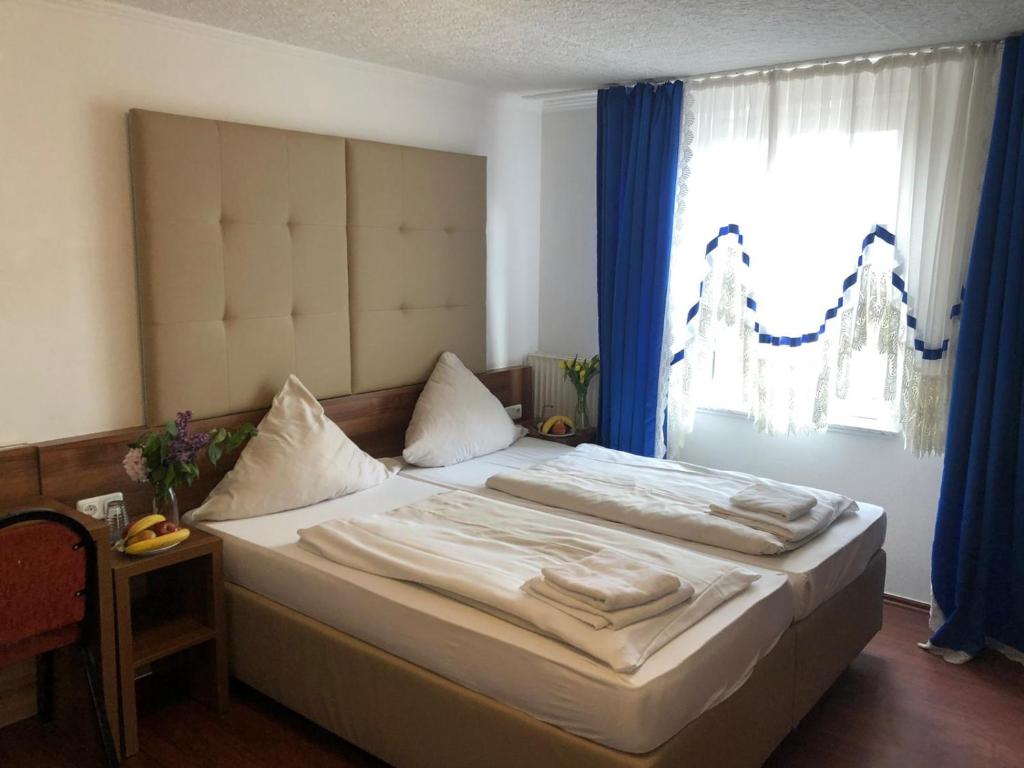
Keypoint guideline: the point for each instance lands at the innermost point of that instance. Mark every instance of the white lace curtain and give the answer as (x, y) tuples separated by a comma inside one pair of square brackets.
[(825, 214)]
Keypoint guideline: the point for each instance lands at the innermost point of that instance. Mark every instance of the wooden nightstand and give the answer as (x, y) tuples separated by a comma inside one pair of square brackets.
[(168, 604), (583, 436)]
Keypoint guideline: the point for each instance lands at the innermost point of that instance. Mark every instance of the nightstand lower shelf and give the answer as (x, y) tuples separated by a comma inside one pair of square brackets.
[(175, 635)]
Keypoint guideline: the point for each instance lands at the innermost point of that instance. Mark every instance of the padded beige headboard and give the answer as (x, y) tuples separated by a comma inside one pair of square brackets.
[(263, 252)]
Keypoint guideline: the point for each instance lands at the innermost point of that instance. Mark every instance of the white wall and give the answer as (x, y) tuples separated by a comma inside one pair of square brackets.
[(864, 465), (568, 233), (868, 466), (69, 350)]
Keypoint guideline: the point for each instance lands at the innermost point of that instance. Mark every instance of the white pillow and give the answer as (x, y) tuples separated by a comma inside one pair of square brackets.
[(299, 457), (456, 419)]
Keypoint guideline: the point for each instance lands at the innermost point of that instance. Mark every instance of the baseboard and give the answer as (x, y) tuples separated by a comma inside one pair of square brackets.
[(906, 602)]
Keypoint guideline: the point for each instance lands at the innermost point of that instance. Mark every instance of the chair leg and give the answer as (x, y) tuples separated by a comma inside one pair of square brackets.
[(44, 686), (96, 693)]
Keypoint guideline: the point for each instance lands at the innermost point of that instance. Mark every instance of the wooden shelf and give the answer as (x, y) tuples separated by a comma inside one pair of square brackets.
[(167, 604), (159, 640)]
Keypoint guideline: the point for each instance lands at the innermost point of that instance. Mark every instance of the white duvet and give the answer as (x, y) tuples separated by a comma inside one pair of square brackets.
[(481, 551), (666, 497)]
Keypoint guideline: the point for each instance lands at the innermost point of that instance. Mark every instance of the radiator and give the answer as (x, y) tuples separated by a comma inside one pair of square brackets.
[(552, 393)]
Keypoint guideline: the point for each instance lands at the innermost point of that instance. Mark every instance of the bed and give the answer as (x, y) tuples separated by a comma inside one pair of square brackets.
[(354, 264), (632, 713), (845, 564)]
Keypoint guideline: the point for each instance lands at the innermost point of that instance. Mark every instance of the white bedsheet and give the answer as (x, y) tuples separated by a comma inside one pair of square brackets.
[(816, 571), (540, 676), (483, 551), (685, 501)]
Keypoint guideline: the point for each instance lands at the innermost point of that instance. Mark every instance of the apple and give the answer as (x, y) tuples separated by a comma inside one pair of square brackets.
[(559, 428), (162, 529)]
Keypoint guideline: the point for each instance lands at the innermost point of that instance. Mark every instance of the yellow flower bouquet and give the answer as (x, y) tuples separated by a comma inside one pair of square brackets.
[(579, 372)]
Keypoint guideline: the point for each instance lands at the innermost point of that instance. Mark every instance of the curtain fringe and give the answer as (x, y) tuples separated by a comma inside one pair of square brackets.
[(873, 305)]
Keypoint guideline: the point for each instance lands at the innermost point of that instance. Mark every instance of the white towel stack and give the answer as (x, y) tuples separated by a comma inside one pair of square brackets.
[(790, 513), (775, 499), (607, 589)]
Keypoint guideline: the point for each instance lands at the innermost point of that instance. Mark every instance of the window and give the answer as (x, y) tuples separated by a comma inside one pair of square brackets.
[(865, 407), (841, 187), (823, 224)]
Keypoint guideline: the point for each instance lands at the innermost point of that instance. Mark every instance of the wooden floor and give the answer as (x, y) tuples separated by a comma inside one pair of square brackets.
[(896, 706), (902, 707)]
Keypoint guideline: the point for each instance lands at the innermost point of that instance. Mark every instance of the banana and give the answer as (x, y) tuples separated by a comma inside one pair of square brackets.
[(552, 420), (142, 524), (158, 542), (140, 536)]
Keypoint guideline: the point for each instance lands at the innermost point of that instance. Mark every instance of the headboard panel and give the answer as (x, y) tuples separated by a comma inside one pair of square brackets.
[(251, 241), (417, 261)]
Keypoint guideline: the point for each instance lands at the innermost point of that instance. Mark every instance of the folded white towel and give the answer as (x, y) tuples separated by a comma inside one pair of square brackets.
[(598, 619), (609, 581), (785, 501), (793, 533)]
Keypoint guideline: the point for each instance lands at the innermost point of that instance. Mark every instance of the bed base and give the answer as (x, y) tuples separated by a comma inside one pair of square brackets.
[(413, 718), (834, 633)]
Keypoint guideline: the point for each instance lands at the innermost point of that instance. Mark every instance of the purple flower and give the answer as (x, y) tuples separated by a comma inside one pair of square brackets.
[(185, 446), (182, 420)]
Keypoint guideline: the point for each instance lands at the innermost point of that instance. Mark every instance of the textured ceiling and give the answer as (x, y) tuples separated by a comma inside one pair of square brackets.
[(529, 46)]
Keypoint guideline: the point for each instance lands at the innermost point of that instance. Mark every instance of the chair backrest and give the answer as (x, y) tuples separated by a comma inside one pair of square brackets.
[(44, 573)]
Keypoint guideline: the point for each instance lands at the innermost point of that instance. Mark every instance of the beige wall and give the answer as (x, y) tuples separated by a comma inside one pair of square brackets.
[(69, 359)]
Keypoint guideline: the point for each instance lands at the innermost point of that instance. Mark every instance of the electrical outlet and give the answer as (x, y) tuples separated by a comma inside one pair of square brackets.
[(515, 412), (97, 505)]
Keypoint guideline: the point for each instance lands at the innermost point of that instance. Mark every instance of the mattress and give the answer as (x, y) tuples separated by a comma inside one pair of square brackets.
[(816, 571), (631, 712)]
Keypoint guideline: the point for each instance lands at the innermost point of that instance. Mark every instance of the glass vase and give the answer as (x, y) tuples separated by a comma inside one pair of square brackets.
[(167, 505), (582, 415)]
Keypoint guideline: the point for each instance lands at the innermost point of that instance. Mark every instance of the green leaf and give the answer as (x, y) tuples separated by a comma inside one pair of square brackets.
[(213, 452), (172, 428), (239, 436)]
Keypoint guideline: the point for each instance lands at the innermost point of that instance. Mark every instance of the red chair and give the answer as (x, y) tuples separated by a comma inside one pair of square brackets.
[(48, 601)]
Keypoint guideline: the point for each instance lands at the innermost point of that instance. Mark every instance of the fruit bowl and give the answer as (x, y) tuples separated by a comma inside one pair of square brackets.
[(557, 426), (150, 535), (119, 546)]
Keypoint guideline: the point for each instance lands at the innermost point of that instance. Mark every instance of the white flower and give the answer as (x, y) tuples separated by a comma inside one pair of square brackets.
[(135, 465)]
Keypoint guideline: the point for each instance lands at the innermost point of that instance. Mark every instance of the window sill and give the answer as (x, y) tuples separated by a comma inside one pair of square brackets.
[(866, 427)]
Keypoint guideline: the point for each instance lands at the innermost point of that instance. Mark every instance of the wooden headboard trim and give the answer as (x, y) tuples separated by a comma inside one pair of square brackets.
[(90, 465), (19, 474)]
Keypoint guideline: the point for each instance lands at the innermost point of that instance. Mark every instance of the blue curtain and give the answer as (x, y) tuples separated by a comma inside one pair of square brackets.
[(978, 554), (637, 155)]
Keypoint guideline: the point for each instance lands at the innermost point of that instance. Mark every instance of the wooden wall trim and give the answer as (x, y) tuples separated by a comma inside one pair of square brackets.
[(906, 602), (19, 474), (89, 465)]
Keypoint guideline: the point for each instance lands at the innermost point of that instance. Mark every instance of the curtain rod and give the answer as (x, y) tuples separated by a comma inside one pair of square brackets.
[(771, 68)]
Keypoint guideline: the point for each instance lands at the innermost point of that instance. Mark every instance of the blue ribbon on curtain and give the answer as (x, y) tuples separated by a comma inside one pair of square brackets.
[(637, 156), (878, 233), (978, 552)]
